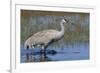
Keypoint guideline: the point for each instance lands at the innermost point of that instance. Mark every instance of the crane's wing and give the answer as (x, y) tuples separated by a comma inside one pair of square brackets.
[(44, 36), (45, 33)]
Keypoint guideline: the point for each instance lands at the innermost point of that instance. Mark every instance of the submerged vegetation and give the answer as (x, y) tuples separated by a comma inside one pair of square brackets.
[(35, 21)]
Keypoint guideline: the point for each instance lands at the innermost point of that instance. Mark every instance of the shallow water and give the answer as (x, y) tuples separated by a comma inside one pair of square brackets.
[(78, 51)]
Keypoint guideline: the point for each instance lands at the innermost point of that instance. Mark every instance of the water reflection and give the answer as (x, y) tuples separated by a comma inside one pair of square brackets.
[(39, 56), (75, 52)]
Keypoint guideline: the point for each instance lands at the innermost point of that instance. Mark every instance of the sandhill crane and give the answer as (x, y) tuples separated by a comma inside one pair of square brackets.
[(44, 38)]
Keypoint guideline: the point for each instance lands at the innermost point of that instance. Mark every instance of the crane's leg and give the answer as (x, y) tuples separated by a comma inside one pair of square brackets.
[(27, 54), (27, 48), (44, 48), (43, 51)]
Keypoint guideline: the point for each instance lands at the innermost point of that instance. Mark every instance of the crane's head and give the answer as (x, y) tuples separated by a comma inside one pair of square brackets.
[(64, 21)]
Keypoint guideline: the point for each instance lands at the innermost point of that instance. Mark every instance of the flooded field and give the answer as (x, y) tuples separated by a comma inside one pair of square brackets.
[(75, 52)]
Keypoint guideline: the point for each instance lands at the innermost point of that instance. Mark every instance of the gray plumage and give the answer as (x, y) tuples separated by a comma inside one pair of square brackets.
[(43, 38)]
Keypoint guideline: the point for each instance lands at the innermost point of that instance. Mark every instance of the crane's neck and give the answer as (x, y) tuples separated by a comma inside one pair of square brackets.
[(61, 32), (62, 28)]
